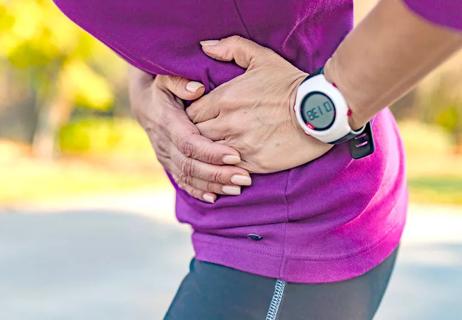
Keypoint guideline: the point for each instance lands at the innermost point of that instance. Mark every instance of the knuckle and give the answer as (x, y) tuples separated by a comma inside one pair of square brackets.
[(187, 167), (184, 179), (212, 187), (176, 85), (192, 191), (218, 176), (209, 157), (196, 193), (234, 39), (186, 147)]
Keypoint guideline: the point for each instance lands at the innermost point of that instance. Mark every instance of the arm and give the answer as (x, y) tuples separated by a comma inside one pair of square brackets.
[(379, 61), (386, 55)]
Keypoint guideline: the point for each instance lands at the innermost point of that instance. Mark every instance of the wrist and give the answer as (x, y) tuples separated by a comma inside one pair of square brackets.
[(356, 119), (355, 124), (293, 98), (322, 112)]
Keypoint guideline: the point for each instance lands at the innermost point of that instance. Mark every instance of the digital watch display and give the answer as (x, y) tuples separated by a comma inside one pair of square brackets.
[(322, 112), (318, 111)]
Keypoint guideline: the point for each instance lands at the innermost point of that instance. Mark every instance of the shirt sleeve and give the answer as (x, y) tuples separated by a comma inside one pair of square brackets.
[(447, 13)]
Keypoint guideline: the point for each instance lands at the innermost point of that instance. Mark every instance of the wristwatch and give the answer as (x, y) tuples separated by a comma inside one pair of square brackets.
[(322, 112)]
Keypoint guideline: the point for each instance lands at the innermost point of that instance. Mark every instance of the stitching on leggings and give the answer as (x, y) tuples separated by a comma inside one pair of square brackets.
[(276, 300)]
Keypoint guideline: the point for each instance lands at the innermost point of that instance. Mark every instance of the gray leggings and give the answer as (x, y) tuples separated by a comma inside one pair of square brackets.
[(214, 292)]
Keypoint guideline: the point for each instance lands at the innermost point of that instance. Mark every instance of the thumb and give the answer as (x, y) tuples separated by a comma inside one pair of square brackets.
[(243, 51), (181, 87)]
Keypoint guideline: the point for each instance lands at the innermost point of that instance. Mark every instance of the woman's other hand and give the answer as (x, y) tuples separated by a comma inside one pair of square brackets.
[(201, 167), (253, 113)]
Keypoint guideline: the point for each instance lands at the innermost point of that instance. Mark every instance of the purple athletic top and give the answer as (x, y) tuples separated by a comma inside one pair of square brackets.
[(329, 220)]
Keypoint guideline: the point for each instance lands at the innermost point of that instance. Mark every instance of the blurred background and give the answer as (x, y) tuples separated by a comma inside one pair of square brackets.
[(86, 214)]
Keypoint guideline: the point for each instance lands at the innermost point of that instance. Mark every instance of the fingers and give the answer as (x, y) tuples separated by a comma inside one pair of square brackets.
[(211, 187), (194, 192), (205, 108), (187, 168), (203, 149), (188, 140), (201, 166), (241, 50), (181, 87), (196, 187), (214, 129), (203, 181)]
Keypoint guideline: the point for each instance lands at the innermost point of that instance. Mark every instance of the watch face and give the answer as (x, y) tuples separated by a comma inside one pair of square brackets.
[(318, 111)]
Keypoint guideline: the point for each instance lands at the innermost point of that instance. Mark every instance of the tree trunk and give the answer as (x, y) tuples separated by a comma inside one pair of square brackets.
[(54, 113)]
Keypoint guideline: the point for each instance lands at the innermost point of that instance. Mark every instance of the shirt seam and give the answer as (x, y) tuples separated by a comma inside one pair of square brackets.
[(284, 237), (356, 253), (214, 245), (341, 257)]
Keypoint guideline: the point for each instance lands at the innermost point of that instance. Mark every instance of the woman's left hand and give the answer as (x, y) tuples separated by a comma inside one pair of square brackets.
[(253, 113)]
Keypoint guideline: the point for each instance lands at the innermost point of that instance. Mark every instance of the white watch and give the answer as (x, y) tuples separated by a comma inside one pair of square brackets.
[(322, 112)]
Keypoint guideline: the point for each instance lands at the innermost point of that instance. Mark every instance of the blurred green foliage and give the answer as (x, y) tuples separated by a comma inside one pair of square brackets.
[(440, 99), (50, 65), (37, 39), (110, 137), (442, 189), (57, 65)]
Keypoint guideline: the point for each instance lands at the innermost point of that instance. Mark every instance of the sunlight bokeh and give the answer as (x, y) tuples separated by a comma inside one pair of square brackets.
[(64, 113)]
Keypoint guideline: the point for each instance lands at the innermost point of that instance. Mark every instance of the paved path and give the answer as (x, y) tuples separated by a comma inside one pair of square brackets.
[(93, 262)]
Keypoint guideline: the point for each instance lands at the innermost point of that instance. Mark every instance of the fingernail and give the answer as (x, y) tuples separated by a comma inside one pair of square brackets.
[(208, 43), (231, 159), (193, 86), (209, 197), (232, 190), (241, 180)]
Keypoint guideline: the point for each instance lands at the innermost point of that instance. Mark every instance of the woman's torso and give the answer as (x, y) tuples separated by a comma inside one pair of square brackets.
[(330, 214)]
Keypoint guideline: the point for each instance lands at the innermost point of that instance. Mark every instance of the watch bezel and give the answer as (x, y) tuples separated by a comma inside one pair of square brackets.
[(340, 126)]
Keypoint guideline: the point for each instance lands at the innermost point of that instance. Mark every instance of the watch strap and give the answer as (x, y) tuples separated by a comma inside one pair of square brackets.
[(349, 136), (362, 145), (317, 72), (360, 142)]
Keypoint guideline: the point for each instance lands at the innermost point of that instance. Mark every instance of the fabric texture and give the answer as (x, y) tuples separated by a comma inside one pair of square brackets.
[(328, 220), (211, 291), (447, 13)]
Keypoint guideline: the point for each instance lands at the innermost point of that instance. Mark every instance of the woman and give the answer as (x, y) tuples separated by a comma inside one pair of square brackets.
[(285, 225)]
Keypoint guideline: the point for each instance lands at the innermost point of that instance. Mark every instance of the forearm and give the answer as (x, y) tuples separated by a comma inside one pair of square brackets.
[(385, 56)]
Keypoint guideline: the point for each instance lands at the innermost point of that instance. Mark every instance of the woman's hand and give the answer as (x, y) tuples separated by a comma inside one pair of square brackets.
[(199, 166), (253, 113)]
